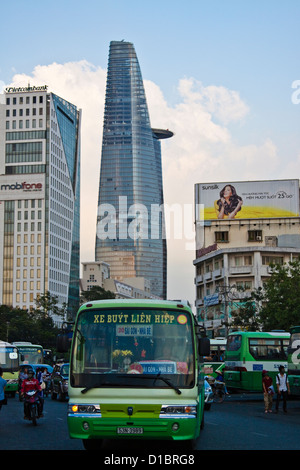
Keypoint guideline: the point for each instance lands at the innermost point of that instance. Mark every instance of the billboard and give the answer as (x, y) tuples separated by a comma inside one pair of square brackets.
[(247, 199), (25, 186)]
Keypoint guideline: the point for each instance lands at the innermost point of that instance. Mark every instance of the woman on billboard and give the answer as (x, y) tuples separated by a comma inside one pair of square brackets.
[(229, 203)]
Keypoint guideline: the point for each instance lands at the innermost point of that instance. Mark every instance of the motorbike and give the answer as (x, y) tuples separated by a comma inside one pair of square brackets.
[(32, 405)]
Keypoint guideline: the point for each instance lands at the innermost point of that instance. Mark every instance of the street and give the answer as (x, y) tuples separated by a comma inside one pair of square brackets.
[(237, 424)]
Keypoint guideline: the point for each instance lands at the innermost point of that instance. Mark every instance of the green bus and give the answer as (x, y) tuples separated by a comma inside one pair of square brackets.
[(294, 361), (216, 357), (30, 353), (135, 372), (249, 353), (9, 361)]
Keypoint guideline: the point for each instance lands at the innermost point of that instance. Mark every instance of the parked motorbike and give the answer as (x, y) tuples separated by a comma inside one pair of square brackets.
[(32, 406)]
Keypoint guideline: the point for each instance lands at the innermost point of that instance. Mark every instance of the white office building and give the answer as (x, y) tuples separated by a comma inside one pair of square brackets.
[(236, 249), (39, 198)]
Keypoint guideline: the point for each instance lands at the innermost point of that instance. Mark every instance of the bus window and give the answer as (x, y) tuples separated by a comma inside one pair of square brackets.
[(234, 342), (268, 348)]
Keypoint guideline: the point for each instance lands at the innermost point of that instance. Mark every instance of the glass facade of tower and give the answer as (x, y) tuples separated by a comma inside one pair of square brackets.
[(131, 188)]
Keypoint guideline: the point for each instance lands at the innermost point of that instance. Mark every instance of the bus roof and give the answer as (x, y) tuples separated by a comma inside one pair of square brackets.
[(5, 343), (215, 341), (26, 344), (156, 303), (294, 329), (261, 334)]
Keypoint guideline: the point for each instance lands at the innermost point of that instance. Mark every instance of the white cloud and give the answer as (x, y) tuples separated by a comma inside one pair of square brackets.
[(202, 148)]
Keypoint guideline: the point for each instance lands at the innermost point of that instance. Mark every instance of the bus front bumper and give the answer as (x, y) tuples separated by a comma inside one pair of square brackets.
[(169, 428)]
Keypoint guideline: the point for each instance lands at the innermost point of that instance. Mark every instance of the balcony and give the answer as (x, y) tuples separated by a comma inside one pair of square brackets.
[(199, 279), (236, 270)]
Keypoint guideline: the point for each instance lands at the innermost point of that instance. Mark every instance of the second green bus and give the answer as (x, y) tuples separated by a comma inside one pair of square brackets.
[(249, 353)]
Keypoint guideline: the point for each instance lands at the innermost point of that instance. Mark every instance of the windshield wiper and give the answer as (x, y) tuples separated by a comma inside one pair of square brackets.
[(168, 382), (138, 376), (155, 377), (98, 385)]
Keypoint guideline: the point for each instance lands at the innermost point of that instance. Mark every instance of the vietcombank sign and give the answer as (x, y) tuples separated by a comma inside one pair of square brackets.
[(30, 188)]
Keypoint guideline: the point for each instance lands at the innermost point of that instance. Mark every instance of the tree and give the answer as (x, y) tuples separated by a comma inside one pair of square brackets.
[(281, 297), (96, 293), (246, 317), (46, 305), (35, 326)]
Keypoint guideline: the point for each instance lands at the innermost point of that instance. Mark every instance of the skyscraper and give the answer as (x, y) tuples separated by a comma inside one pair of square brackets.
[(130, 222), (39, 194)]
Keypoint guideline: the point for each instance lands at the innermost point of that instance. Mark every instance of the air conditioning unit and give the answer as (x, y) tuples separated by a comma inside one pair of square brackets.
[(271, 241), (258, 238)]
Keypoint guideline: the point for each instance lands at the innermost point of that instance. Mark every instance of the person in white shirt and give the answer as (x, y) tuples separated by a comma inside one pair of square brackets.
[(283, 388)]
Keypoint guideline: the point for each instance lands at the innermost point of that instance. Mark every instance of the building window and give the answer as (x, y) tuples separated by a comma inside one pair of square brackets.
[(254, 235), (244, 285), (221, 237), (267, 260), (242, 261)]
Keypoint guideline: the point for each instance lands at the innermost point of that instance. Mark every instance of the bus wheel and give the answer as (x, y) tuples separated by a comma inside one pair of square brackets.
[(92, 444)]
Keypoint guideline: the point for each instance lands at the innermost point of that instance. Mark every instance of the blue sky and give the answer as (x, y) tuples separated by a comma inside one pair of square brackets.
[(218, 72)]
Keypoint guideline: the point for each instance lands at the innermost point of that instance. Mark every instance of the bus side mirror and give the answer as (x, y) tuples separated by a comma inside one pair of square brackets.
[(62, 343), (204, 346)]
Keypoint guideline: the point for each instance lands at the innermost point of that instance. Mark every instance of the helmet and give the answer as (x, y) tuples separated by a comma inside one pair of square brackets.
[(30, 373)]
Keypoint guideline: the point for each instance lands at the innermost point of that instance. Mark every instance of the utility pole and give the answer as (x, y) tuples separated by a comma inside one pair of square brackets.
[(226, 290)]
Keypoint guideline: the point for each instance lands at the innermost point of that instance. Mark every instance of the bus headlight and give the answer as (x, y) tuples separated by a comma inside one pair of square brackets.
[(182, 411), (84, 409), (12, 381)]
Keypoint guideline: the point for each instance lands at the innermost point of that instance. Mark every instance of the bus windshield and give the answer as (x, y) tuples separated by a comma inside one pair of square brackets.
[(132, 348), (31, 354), (9, 360)]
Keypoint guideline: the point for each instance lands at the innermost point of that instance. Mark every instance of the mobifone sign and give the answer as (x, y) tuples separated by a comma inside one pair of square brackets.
[(17, 187)]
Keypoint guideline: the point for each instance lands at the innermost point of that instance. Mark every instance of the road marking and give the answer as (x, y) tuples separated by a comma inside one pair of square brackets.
[(259, 434)]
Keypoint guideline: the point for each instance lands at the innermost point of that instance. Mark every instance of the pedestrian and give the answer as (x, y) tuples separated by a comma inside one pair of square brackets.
[(2, 389), (283, 388), (268, 390)]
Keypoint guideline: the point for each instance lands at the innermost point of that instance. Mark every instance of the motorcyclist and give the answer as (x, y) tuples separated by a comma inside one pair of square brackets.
[(27, 385)]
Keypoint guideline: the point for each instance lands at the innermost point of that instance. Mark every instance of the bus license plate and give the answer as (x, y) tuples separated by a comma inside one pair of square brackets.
[(130, 430)]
